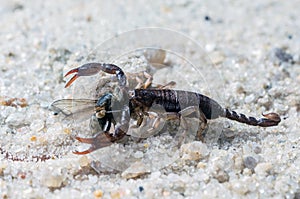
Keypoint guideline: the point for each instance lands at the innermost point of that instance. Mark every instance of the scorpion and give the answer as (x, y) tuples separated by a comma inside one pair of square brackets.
[(136, 104)]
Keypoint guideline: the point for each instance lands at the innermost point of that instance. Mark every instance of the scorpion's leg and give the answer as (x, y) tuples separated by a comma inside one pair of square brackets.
[(148, 83), (202, 126), (160, 118), (169, 85), (199, 116), (145, 84), (159, 121), (105, 138), (93, 68)]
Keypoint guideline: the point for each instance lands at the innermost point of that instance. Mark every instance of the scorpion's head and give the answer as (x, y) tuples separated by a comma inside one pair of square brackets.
[(103, 105)]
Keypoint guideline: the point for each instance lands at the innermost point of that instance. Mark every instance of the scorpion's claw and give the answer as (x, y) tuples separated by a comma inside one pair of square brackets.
[(71, 80), (75, 70), (85, 140), (84, 152), (99, 141)]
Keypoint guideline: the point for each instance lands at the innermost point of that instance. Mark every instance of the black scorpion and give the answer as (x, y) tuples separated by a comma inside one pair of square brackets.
[(135, 104)]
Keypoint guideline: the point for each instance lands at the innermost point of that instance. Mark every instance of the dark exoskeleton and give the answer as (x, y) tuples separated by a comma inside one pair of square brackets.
[(136, 103)]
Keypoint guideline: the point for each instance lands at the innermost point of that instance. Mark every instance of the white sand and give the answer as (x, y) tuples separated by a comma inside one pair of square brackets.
[(41, 41)]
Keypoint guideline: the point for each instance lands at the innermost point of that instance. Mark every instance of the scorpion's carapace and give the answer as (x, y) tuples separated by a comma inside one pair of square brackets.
[(138, 102)]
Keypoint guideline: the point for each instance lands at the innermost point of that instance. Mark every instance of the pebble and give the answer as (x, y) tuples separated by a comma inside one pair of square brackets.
[(250, 162), (283, 56), (238, 163), (137, 169), (37, 125), (201, 165), (115, 195), (263, 168), (249, 98), (53, 181), (217, 57), (98, 194), (257, 150), (239, 187), (210, 47), (84, 161), (221, 175), (297, 195), (2, 168), (16, 119), (247, 172), (282, 108), (193, 151)]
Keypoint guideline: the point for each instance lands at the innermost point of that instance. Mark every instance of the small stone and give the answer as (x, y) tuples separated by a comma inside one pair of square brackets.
[(193, 151), (93, 179), (239, 187), (238, 163), (221, 175), (67, 131), (249, 99), (138, 154), (263, 168), (141, 188), (257, 150), (297, 195), (210, 47), (98, 194), (166, 193), (53, 181), (283, 56), (84, 161), (37, 125), (33, 138), (201, 165), (115, 195), (247, 172), (137, 169), (2, 168), (281, 108), (250, 162), (207, 18), (15, 119), (217, 57)]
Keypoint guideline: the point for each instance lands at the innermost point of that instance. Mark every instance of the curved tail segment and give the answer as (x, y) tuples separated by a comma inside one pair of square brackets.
[(270, 119)]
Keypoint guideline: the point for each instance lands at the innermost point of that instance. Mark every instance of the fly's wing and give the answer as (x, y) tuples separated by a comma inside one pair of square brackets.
[(75, 109)]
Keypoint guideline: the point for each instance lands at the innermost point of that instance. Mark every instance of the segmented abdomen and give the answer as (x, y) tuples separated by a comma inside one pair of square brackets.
[(177, 100)]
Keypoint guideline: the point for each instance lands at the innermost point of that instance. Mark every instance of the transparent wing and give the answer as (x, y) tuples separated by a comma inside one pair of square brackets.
[(76, 109)]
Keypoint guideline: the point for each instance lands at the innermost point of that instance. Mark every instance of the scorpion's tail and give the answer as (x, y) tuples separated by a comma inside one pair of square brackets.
[(270, 119)]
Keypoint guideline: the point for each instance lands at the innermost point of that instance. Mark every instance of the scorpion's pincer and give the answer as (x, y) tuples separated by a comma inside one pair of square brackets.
[(99, 141), (73, 78)]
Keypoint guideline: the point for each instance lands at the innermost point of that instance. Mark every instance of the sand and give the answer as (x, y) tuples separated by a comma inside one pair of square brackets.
[(243, 55)]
